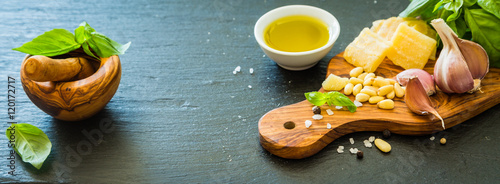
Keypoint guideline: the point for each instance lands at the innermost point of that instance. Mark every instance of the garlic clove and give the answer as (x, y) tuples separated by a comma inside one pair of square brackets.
[(451, 71), (425, 78), (417, 100), (475, 56)]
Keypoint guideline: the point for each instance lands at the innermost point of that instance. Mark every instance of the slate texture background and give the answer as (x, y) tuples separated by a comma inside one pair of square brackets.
[(180, 115)]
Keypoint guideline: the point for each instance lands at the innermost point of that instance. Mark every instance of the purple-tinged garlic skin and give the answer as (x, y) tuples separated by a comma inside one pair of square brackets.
[(461, 64), (418, 101), (425, 78)]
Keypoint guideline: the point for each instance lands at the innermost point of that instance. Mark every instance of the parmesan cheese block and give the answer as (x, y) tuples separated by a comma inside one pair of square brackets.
[(367, 50), (334, 83), (410, 48)]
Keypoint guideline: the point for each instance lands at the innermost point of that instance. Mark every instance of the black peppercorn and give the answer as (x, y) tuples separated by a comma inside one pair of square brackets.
[(316, 110), (386, 133), (359, 154)]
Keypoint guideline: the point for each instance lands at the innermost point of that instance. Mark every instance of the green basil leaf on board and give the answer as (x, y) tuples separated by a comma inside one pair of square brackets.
[(30, 143), (491, 6), (51, 43), (332, 98), (105, 47), (316, 98), (485, 27), (335, 98)]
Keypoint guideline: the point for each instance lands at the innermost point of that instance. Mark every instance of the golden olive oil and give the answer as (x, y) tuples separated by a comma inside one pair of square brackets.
[(296, 33)]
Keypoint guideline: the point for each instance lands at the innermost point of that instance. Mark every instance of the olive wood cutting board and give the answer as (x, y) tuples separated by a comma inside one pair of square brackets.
[(283, 132)]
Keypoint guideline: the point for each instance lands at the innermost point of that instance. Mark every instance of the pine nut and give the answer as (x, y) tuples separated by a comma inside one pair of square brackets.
[(348, 88), (361, 97), (369, 92), (362, 76), (355, 80), (384, 90), (357, 89), (371, 88), (390, 95), (382, 145), (386, 104), (399, 90), (375, 99), (356, 72), (391, 81), (379, 82), (372, 75), (368, 81)]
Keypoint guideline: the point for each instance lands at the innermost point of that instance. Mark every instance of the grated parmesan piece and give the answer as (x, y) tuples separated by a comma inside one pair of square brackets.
[(329, 126), (339, 107)]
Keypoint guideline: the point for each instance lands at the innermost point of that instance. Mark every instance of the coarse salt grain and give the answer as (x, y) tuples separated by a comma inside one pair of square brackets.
[(250, 70), (329, 126), (329, 112), (340, 149), (353, 150), (234, 72), (338, 107), (432, 138), (357, 103), (371, 139), (250, 86), (351, 140), (317, 117), (367, 143), (237, 69), (308, 123)]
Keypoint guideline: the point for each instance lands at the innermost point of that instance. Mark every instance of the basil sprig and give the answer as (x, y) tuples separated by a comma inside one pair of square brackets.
[(61, 41), (332, 98), (30, 143)]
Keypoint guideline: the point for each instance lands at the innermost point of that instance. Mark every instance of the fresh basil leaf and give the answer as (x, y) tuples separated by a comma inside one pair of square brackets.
[(30, 143), (105, 47), (456, 7), (51, 43), (83, 32), (469, 3), (485, 27), (418, 7), (335, 98), (87, 50), (492, 6), (316, 98)]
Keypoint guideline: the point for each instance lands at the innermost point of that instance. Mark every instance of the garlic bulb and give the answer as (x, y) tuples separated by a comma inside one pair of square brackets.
[(461, 64), (425, 78), (417, 100)]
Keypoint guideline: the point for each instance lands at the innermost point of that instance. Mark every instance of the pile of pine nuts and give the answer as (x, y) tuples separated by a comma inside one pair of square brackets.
[(367, 87)]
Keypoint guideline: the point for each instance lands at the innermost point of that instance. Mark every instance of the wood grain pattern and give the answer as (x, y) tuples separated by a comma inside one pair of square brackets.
[(301, 142), (75, 100)]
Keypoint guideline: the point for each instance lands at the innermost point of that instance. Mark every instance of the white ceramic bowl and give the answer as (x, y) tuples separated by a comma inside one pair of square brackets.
[(297, 60)]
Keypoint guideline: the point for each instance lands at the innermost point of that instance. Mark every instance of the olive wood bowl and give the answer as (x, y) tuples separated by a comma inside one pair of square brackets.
[(79, 99)]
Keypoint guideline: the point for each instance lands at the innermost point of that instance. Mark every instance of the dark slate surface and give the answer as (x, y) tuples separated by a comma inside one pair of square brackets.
[(180, 115)]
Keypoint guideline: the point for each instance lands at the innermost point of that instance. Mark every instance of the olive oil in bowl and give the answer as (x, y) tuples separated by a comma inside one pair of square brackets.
[(296, 33)]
